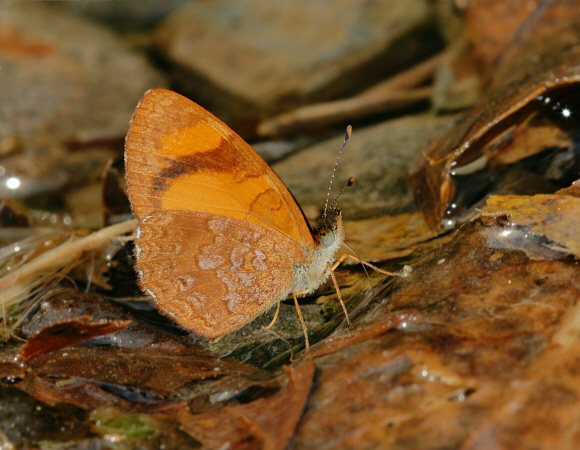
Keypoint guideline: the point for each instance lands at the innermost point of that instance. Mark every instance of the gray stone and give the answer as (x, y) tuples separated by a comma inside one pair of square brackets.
[(64, 77), (377, 157), (126, 15), (258, 58)]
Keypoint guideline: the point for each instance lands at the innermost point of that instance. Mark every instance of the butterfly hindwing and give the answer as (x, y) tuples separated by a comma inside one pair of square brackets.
[(224, 271)]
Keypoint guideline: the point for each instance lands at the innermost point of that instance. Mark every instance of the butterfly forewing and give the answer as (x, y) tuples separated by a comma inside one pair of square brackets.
[(180, 157)]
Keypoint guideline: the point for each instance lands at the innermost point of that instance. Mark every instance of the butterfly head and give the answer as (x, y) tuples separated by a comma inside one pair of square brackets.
[(329, 232)]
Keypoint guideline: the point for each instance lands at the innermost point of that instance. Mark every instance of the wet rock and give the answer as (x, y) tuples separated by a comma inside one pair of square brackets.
[(376, 156), (261, 57), (125, 16), (64, 77)]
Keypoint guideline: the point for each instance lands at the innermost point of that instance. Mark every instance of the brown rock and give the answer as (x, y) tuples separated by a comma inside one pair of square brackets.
[(124, 16), (262, 57), (377, 157), (64, 77)]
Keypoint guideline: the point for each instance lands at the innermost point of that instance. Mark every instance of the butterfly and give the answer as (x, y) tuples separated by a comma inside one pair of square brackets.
[(220, 238)]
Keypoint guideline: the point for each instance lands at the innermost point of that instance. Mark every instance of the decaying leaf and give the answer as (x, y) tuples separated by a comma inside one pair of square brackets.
[(267, 422), (388, 237), (67, 333), (553, 217), (525, 116)]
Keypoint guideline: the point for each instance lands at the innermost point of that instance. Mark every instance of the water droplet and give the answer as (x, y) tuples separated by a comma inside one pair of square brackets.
[(406, 271), (449, 224), (13, 183)]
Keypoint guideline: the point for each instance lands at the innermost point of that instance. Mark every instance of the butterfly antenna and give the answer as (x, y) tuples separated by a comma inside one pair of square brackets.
[(349, 183), (346, 138)]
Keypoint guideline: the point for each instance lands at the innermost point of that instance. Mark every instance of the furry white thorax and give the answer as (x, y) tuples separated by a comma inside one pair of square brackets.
[(309, 275)]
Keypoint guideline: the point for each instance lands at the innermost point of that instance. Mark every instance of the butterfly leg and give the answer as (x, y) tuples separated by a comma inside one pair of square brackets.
[(275, 317), (306, 341), (339, 295), (346, 255)]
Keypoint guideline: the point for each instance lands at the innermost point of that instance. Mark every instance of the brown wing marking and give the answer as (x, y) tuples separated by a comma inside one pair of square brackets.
[(180, 157)]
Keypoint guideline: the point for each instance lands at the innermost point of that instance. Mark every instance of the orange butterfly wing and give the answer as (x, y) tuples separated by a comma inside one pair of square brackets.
[(211, 273), (219, 233), (181, 157)]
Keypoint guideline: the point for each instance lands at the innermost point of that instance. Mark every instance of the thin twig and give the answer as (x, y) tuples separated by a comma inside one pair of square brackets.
[(58, 257), (400, 91)]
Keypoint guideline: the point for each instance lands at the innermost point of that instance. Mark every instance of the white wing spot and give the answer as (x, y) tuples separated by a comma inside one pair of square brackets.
[(258, 261), (210, 318), (210, 262), (217, 225), (246, 278), (234, 302), (246, 238), (197, 299), (237, 257), (233, 299)]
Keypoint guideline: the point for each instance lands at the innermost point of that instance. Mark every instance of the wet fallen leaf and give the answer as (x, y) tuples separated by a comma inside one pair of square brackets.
[(472, 318), (524, 114), (266, 423), (554, 217), (388, 237), (67, 333)]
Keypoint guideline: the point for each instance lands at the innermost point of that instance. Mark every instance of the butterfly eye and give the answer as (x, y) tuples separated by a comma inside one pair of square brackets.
[(327, 238)]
